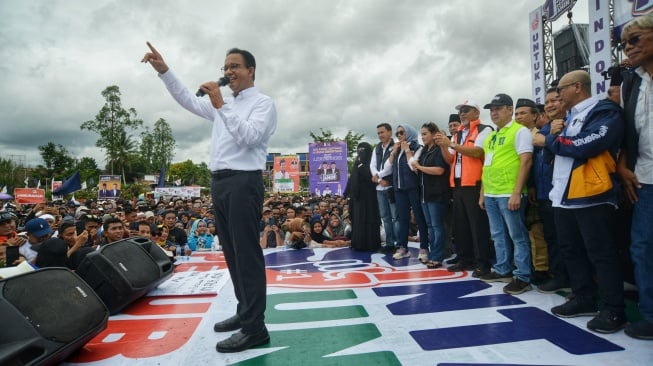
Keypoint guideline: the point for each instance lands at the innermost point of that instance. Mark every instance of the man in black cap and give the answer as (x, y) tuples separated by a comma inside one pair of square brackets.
[(508, 159), (454, 123), (51, 253), (527, 114)]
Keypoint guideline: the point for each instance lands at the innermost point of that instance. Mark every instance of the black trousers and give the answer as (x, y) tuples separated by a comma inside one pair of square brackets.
[(238, 204), (471, 228), (557, 265), (587, 242)]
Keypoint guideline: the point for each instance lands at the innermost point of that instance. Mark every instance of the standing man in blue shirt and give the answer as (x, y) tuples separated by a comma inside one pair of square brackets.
[(242, 126)]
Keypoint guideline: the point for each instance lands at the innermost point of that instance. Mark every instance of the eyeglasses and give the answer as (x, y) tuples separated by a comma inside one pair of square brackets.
[(562, 87), (400, 133), (232, 67), (465, 109), (634, 40)]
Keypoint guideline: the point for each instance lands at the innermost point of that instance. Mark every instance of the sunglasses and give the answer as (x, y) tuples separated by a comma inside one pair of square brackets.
[(400, 133), (634, 40), (466, 109)]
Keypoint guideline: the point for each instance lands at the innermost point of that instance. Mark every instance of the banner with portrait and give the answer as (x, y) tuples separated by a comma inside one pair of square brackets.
[(109, 187), (327, 168), (286, 173)]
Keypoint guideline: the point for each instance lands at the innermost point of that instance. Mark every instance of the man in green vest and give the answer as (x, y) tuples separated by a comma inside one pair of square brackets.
[(508, 160)]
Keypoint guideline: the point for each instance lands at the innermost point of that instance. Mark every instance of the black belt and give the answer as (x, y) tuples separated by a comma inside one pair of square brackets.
[(226, 173)]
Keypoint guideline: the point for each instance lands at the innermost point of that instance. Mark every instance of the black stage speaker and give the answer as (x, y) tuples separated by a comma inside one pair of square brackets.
[(124, 271), (46, 315)]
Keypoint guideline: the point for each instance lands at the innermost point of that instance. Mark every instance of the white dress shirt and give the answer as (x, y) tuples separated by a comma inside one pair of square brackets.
[(241, 128)]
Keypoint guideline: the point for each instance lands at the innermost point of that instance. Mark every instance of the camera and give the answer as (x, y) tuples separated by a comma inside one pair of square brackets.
[(615, 74)]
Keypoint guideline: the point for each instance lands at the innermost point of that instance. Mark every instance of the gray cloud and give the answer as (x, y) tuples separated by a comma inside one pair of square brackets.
[(338, 65)]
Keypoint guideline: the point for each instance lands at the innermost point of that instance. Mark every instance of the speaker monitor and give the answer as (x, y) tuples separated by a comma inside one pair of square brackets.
[(124, 271), (46, 315)]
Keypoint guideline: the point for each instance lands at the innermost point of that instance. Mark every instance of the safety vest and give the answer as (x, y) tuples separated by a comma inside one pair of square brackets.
[(500, 176), (471, 168)]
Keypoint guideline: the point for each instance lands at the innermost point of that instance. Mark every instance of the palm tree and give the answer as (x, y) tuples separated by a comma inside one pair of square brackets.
[(125, 152)]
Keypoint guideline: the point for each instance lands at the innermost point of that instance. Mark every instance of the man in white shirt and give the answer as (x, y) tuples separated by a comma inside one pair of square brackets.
[(382, 176), (242, 126)]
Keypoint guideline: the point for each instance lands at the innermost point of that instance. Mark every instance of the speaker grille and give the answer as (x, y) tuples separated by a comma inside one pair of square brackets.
[(58, 304), (133, 262)]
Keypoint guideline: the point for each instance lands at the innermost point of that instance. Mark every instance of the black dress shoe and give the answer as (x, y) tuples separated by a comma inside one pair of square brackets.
[(228, 325), (240, 341)]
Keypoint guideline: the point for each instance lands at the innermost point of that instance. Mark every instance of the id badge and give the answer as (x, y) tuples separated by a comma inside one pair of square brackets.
[(488, 159)]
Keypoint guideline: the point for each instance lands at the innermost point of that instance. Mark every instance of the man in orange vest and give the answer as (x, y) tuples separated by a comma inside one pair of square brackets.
[(471, 230)]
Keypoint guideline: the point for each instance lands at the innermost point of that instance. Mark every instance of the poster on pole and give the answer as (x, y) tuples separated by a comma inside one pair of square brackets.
[(56, 184), (327, 168), (286, 173), (538, 82), (109, 187)]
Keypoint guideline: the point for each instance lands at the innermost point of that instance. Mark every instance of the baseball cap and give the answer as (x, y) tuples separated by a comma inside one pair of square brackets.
[(499, 100), (523, 102), (38, 227), (6, 216), (469, 103), (266, 209)]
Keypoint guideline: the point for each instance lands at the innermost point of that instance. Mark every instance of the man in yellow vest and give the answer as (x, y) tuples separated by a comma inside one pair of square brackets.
[(508, 160)]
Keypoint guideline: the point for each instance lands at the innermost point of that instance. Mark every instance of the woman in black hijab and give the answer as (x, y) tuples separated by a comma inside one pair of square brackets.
[(363, 207)]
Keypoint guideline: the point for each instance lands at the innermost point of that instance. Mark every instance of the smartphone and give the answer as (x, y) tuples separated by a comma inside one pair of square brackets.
[(272, 221), (11, 256)]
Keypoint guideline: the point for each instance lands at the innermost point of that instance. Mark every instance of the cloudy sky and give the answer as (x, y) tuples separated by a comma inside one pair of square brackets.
[(332, 64)]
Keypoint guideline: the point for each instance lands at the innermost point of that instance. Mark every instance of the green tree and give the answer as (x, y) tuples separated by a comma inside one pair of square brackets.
[(11, 174), (190, 173), (88, 171), (112, 124), (57, 160), (126, 155), (158, 146)]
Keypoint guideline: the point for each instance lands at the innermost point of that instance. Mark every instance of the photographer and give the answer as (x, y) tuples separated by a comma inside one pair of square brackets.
[(271, 236)]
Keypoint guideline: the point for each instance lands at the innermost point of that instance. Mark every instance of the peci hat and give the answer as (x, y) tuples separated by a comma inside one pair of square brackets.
[(469, 103), (38, 227), (523, 102), (454, 117), (499, 100), (51, 253)]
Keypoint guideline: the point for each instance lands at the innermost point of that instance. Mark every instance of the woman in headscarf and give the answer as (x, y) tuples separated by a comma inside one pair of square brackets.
[(199, 237), (319, 240), (406, 197), (363, 207)]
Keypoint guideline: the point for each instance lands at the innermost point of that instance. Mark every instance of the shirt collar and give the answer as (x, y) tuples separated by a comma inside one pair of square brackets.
[(246, 92)]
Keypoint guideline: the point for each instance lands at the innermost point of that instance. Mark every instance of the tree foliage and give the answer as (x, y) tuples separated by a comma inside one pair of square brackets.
[(57, 160), (190, 173), (157, 146), (112, 124)]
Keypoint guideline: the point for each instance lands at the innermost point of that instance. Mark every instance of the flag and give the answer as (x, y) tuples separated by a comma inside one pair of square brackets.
[(38, 184), (70, 185), (84, 185), (162, 177), (4, 189), (26, 181), (178, 182)]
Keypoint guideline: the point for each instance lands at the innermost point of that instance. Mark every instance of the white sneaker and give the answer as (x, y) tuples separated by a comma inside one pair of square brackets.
[(401, 253)]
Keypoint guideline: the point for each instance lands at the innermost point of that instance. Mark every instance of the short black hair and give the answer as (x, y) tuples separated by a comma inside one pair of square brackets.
[(385, 125), (250, 61), (113, 220)]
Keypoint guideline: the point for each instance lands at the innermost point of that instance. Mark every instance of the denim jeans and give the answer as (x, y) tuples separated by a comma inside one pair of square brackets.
[(405, 200), (435, 214), (641, 248), (388, 213), (507, 226)]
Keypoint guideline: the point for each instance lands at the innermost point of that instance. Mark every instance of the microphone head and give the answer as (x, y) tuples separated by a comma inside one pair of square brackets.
[(224, 81)]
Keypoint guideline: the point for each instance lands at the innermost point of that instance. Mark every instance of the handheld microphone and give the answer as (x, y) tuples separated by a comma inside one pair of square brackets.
[(221, 82)]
